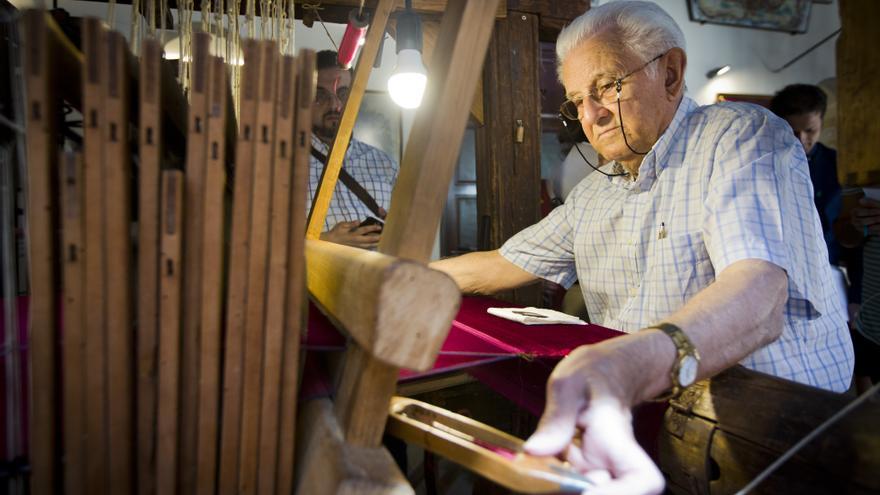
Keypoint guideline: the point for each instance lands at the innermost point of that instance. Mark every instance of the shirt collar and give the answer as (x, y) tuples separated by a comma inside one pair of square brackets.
[(655, 161)]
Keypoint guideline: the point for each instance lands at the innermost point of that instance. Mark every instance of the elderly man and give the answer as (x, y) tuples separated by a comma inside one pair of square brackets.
[(700, 239), (368, 175)]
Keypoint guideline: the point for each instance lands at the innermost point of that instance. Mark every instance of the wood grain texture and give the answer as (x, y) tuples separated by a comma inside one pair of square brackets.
[(150, 169), (276, 289), (212, 278), (330, 466), (42, 157), (858, 93), (196, 154), (322, 197), (294, 324), (239, 254), (73, 343), (170, 321), (255, 315), (118, 277), (708, 444), (94, 48), (398, 310)]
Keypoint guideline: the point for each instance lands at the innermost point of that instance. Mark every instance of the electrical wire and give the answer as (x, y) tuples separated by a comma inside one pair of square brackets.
[(807, 439)]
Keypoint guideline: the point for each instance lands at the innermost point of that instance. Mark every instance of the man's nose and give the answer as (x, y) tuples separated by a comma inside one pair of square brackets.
[(593, 112)]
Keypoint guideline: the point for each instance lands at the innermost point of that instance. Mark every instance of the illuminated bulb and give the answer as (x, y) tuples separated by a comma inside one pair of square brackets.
[(407, 84)]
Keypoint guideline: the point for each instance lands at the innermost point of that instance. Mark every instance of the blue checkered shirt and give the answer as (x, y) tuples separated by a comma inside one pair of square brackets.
[(372, 168), (724, 183)]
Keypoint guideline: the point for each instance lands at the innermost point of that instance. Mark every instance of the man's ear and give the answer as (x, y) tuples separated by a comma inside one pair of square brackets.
[(676, 62)]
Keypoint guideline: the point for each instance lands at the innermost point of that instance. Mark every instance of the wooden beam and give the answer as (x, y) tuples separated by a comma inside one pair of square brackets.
[(41, 128), (149, 200), (321, 201), (858, 93), (398, 310), (94, 46), (170, 294), (295, 322), (239, 254), (509, 169), (73, 358)]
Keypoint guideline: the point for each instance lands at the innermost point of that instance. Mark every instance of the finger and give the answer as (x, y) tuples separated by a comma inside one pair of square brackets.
[(368, 229), (565, 399), (632, 469)]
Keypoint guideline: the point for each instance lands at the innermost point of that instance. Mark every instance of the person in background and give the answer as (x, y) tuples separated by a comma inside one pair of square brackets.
[(699, 239), (368, 175)]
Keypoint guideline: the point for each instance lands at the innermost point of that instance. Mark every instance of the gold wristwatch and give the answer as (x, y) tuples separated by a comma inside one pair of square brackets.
[(687, 361)]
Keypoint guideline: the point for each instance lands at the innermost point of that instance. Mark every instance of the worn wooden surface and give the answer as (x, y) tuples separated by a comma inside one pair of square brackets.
[(236, 294), (722, 433), (43, 159), (328, 465), (73, 343), (294, 324), (858, 93), (150, 169), (398, 310), (508, 171), (94, 48), (324, 193), (211, 277), (170, 294), (257, 264), (119, 276)]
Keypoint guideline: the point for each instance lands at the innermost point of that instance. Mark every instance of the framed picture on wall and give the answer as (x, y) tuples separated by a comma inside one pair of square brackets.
[(379, 124), (792, 16)]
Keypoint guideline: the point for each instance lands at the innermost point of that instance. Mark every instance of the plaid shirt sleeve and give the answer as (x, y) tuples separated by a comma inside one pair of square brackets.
[(546, 249), (760, 206)]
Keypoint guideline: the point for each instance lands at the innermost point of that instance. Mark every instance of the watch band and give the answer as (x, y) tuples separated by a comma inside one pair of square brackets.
[(685, 350)]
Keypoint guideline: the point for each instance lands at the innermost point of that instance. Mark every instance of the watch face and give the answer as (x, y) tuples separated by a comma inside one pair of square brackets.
[(687, 373)]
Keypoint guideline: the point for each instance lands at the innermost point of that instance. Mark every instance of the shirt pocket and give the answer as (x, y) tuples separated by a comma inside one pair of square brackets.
[(678, 268)]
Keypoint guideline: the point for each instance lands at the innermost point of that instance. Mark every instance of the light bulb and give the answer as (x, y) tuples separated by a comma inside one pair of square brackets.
[(407, 84)]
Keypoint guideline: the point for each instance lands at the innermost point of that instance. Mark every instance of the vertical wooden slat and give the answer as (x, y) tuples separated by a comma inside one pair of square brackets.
[(296, 294), (212, 273), (170, 292), (117, 231), (150, 147), (375, 34), (72, 255), (257, 263), (236, 296), (192, 258), (94, 48), (42, 161), (276, 289)]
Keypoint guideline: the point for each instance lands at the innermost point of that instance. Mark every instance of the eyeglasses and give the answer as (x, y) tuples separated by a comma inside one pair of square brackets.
[(324, 97), (603, 95)]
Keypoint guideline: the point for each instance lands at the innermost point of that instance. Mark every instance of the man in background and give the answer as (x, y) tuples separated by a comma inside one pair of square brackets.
[(363, 192)]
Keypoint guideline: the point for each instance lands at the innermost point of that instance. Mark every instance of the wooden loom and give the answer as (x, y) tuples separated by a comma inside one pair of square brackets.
[(208, 403)]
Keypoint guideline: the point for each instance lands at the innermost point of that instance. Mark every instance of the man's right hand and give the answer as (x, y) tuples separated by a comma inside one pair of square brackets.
[(348, 233)]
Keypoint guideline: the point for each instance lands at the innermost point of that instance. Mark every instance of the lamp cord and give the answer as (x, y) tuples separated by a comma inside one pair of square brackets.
[(807, 439)]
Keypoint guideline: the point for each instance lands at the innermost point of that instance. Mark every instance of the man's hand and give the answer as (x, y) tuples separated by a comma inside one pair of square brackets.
[(348, 233), (584, 397), (867, 215)]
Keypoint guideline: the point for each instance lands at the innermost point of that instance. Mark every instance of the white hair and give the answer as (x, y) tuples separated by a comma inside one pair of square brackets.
[(644, 28)]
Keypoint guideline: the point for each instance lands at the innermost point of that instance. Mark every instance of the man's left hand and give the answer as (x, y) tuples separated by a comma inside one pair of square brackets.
[(867, 215), (584, 397)]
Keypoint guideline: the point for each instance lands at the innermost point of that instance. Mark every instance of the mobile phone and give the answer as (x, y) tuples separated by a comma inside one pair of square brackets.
[(372, 221)]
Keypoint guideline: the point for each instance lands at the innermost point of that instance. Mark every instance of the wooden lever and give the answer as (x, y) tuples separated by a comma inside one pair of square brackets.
[(481, 448)]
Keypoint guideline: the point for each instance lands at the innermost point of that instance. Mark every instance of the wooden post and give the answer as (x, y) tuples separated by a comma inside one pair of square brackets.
[(150, 147), (858, 93), (509, 171), (40, 114)]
